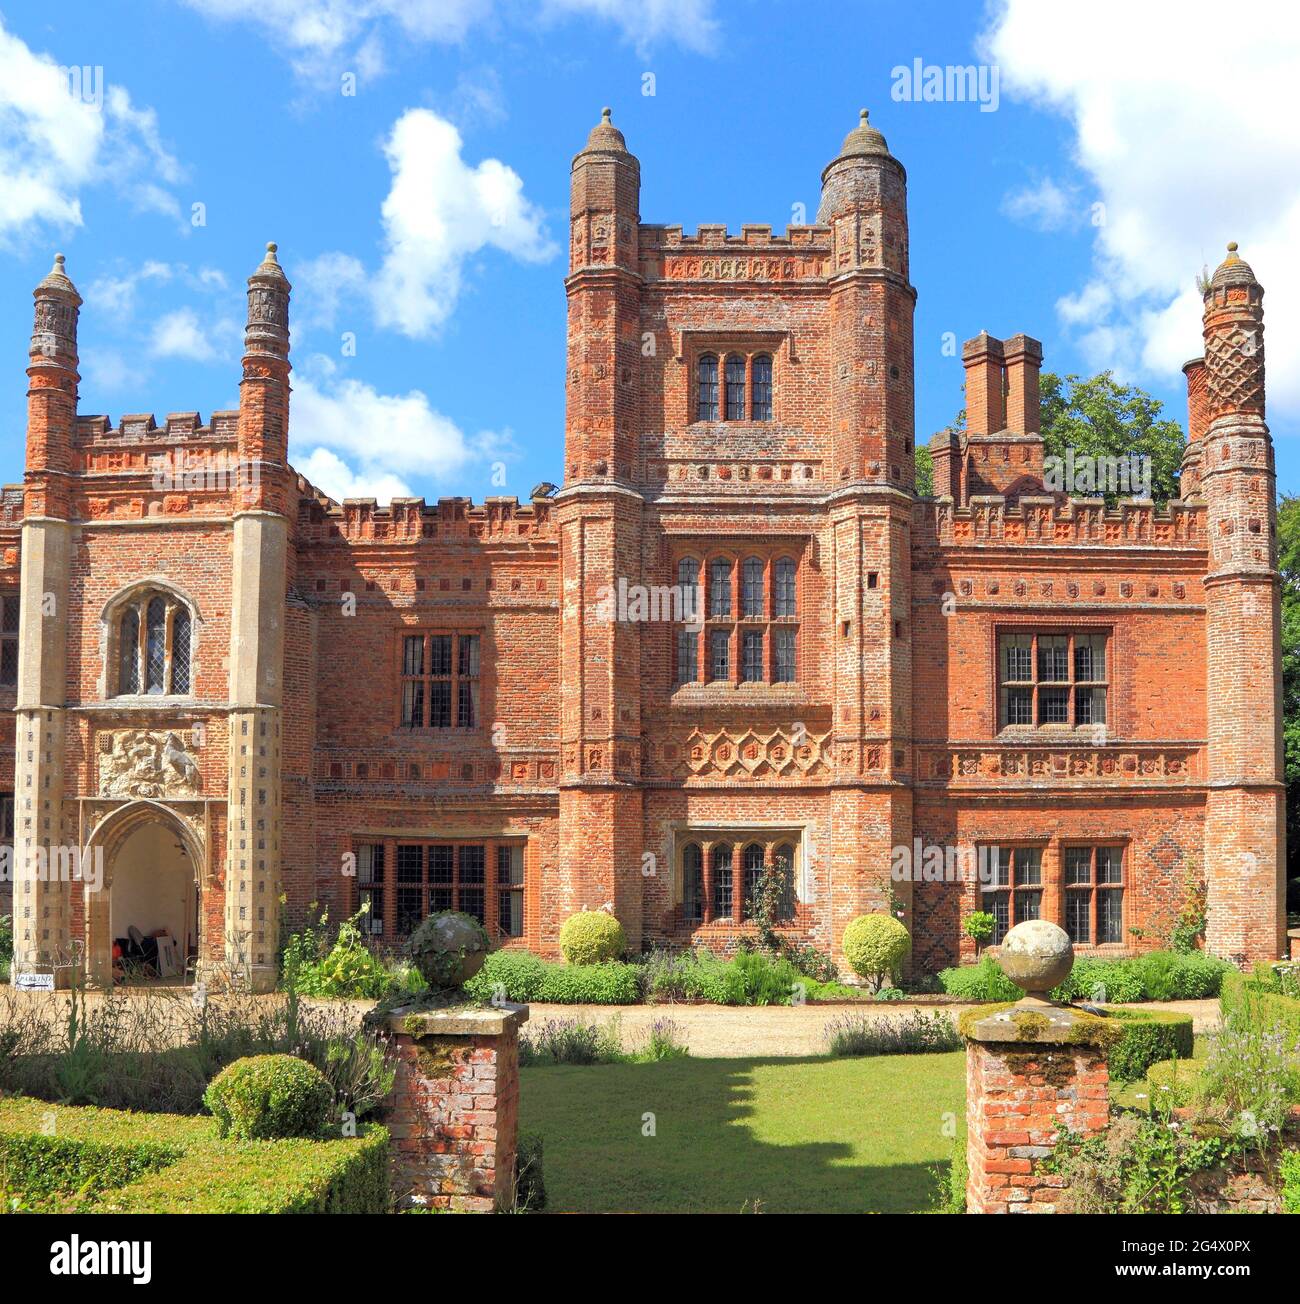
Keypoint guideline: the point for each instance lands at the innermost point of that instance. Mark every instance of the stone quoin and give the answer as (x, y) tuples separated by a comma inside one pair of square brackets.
[(252, 697)]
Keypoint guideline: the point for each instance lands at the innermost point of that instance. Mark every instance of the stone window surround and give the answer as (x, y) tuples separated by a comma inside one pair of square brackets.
[(749, 344), (738, 837), (138, 594)]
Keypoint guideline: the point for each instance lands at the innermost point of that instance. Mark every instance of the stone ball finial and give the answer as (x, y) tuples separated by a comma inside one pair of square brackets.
[(448, 949), (1037, 956)]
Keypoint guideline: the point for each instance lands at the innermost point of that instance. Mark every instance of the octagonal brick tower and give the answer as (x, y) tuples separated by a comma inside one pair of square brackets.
[(599, 517), (1245, 823), (872, 481)]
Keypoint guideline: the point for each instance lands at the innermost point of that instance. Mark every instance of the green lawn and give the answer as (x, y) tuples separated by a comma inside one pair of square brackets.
[(794, 1135)]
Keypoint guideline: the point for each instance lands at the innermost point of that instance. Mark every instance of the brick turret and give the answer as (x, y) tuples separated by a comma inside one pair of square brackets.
[(1245, 824), (257, 618), (600, 523), (42, 908), (604, 290), (864, 202)]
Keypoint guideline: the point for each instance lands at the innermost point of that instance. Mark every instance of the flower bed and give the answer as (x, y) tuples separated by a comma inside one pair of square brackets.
[(61, 1158)]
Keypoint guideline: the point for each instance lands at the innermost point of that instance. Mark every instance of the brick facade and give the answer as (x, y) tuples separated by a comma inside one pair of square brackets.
[(848, 696)]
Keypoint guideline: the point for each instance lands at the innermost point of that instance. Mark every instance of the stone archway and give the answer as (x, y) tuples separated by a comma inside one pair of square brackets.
[(153, 858)]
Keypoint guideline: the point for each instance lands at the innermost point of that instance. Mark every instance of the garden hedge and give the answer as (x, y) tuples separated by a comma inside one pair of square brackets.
[(1149, 1037), (1152, 976), (67, 1158), (522, 976), (1284, 1011)]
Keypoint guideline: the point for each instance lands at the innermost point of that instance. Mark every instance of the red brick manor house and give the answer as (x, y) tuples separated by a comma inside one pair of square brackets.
[(243, 697)]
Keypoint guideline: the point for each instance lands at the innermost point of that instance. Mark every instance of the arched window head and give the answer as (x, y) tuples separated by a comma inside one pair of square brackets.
[(735, 387), (706, 388), (154, 631), (760, 402)]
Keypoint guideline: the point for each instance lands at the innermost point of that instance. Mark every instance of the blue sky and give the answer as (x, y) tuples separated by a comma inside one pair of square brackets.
[(423, 219)]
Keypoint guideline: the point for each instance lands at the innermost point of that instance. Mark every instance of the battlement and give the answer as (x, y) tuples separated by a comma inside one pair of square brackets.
[(1048, 521), (409, 520), (141, 427), (714, 235)]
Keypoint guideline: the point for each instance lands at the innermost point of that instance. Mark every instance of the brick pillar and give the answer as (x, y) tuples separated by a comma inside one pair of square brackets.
[(1029, 1067), (455, 1107)]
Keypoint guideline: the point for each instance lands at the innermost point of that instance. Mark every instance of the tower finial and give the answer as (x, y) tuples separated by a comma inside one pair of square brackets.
[(607, 114)]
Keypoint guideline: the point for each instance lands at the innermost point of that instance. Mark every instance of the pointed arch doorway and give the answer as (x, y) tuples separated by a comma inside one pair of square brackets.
[(152, 881)]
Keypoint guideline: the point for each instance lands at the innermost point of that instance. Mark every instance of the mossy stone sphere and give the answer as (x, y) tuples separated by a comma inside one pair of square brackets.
[(448, 948), (1036, 955)]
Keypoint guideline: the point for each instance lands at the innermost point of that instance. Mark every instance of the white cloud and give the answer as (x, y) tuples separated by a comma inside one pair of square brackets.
[(439, 211), (329, 472), (323, 39), (353, 441), (1046, 206), (1186, 128), (647, 23), (179, 334), (321, 286), (53, 143)]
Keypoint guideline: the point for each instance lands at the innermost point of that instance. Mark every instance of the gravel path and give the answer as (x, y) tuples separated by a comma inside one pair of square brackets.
[(735, 1031)]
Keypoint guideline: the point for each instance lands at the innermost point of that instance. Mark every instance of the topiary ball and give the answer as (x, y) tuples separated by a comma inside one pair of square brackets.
[(876, 946), (268, 1097), (592, 937), (448, 948)]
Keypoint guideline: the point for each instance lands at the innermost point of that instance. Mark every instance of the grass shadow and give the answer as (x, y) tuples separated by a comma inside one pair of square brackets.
[(784, 1135)]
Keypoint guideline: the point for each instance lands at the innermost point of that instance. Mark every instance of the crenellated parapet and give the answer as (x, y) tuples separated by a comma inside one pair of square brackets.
[(497, 520), (715, 254), (1048, 521)]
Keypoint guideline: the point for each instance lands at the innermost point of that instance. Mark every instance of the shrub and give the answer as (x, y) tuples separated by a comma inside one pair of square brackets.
[(566, 1041), (979, 926), (979, 983), (590, 984), (270, 1097), (1268, 1006), (665, 1041), (511, 975), (764, 981), (530, 1187), (104, 1160), (914, 1034), (348, 970), (1251, 1074), (876, 946), (891, 994), (810, 962), (591, 937), (6, 946), (1149, 1037), (1156, 976)]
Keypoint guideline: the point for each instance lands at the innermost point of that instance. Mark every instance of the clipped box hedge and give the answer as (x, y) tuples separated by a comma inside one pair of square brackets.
[(1272, 1006), (56, 1157), (1150, 1036)]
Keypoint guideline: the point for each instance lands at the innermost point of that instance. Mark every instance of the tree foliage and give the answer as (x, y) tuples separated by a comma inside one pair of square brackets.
[(1097, 416)]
